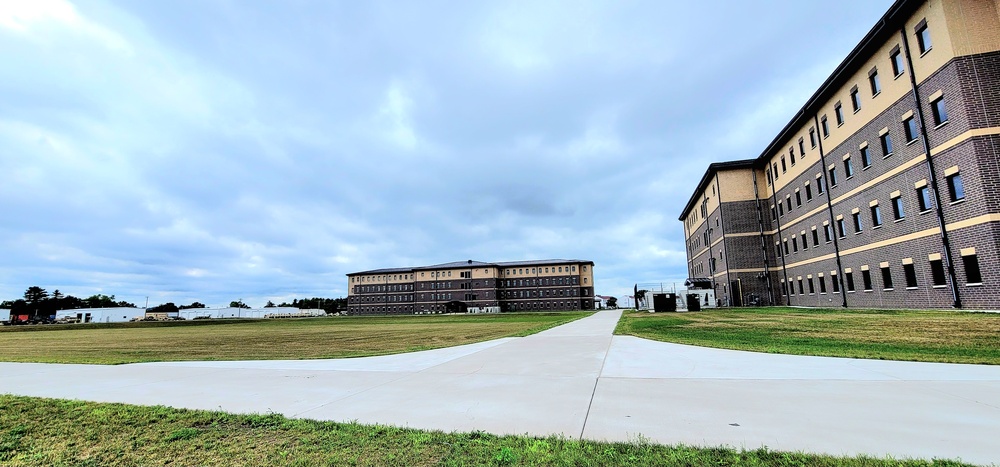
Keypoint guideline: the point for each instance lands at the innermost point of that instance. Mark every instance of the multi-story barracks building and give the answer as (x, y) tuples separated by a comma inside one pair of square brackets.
[(883, 190), (556, 284)]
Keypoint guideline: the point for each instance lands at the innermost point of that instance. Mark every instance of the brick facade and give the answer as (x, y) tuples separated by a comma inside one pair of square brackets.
[(807, 269)]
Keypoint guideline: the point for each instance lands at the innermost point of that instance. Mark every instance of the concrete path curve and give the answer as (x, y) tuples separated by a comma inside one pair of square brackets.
[(580, 381)]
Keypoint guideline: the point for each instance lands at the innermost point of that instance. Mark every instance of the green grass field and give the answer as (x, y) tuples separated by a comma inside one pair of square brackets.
[(928, 336), (36, 431), (333, 337)]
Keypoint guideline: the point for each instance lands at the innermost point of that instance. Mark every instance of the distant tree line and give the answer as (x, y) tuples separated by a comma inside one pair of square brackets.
[(37, 302)]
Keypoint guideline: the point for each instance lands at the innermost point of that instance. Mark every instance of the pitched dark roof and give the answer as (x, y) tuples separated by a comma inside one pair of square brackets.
[(470, 264), (709, 173)]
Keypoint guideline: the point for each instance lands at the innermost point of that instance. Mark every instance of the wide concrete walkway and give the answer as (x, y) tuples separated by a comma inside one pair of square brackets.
[(580, 381)]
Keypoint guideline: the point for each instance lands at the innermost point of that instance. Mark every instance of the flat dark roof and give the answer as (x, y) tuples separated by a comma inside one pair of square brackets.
[(471, 264)]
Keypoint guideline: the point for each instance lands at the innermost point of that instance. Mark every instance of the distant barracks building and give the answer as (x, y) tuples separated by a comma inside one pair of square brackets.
[(845, 207), (463, 286)]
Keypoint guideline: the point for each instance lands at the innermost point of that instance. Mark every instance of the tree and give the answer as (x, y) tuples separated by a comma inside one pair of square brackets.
[(35, 294), (168, 307), (193, 305), (57, 295), (270, 304), (238, 304)]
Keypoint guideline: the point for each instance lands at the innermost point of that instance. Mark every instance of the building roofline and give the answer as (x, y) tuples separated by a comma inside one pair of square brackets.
[(712, 169), (470, 263), (886, 26)]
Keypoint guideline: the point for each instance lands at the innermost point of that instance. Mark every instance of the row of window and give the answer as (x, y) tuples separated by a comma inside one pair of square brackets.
[(537, 293), (938, 109), (885, 139), (383, 288), (970, 262), (956, 191), (542, 282)]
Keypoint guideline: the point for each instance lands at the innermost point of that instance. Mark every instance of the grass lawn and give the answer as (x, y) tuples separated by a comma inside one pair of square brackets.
[(264, 339), (36, 431), (927, 336)]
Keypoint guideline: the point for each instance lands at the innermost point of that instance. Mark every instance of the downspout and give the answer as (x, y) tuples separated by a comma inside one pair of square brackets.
[(777, 221), (722, 226), (945, 241), (763, 244), (829, 208)]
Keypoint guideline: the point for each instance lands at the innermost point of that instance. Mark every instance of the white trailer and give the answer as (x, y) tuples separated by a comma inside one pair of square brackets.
[(4, 316), (100, 315)]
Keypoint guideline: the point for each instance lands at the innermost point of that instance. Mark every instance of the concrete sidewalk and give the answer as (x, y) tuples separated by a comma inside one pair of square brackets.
[(580, 381)]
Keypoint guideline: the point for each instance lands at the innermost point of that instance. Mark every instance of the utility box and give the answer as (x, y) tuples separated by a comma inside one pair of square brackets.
[(663, 302), (694, 302)]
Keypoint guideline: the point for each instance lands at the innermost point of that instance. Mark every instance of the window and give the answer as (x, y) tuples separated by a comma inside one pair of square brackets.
[(838, 112), (910, 273), (866, 157), (777, 248), (849, 278), (886, 141), (835, 283), (791, 286), (857, 222), (866, 279), (798, 198), (783, 167), (815, 237), (939, 111), (775, 166), (886, 277), (788, 202), (972, 273), (791, 156), (937, 271), (827, 233), (802, 290), (923, 37), (802, 147), (873, 81), (855, 99), (897, 62), (809, 193), (768, 175), (812, 137), (833, 176), (812, 287), (781, 209), (822, 284), (876, 216), (897, 208), (848, 167), (910, 127), (819, 184), (824, 126), (841, 228), (795, 245), (784, 243), (924, 198), (956, 190)]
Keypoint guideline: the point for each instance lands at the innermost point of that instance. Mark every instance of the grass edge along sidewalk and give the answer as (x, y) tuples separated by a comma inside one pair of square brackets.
[(924, 335), (279, 339), (37, 431)]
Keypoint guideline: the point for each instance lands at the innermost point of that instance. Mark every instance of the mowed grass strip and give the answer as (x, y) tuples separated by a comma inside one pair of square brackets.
[(333, 337), (35, 431), (926, 336)]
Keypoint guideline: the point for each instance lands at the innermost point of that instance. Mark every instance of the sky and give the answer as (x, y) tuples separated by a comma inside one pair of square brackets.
[(217, 150)]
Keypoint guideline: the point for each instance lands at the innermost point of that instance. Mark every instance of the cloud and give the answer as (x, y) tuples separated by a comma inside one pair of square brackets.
[(209, 150)]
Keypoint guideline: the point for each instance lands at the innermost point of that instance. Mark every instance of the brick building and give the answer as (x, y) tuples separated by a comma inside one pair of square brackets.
[(883, 190), (555, 284)]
